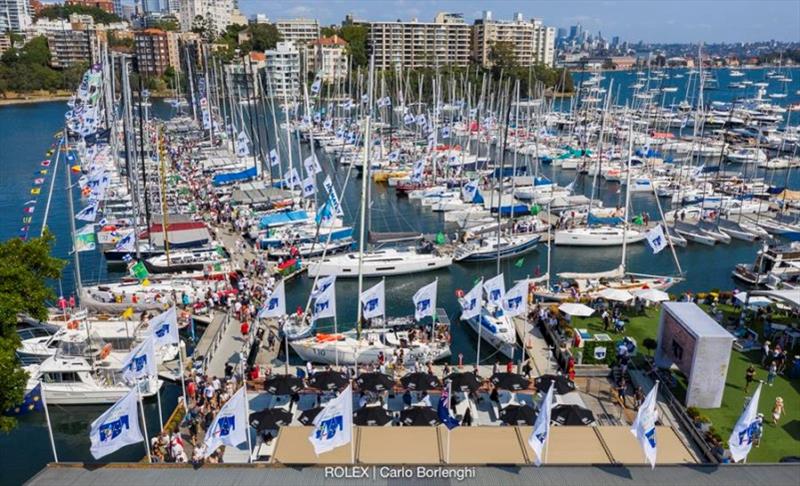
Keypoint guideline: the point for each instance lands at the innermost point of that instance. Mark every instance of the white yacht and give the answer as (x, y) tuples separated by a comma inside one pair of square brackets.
[(381, 263), (497, 329), (597, 236)]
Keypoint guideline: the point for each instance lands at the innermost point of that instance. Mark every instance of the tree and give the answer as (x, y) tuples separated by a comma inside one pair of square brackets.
[(25, 268), (167, 24), (263, 37), (57, 11), (356, 37), (650, 344), (502, 56), (203, 27)]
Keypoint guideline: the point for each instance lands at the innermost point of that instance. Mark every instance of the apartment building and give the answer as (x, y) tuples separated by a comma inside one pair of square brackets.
[(104, 5), (532, 41), (299, 31), (329, 58), (15, 15), (414, 44), (282, 70), (220, 13), (153, 52)]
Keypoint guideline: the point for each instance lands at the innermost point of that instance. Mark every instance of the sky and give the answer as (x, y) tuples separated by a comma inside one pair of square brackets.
[(632, 20)]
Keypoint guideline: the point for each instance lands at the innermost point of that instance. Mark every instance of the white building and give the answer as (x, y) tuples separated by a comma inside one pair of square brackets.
[(298, 31), (219, 12), (532, 41), (15, 15), (282, 70), (414, 44), (329, 58)]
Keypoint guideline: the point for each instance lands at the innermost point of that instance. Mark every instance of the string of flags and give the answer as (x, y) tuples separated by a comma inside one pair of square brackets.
[(39, 181)]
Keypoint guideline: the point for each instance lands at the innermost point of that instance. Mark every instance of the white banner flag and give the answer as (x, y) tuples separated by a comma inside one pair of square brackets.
[(325, 304), (469, 191), (741, 440), (230, 425), (274, 158), (291, 179), (515, 302), (425, 301), (541, 428), (322, 285), (309, 186), (89, 213), (333, 426), (126, 243), (656, 239), (164, 328), (336, 205), (373, 301), (141, 362), (312, 165), (275, 305), (644, 427), (117, 427), (495, 289), (472, 302)]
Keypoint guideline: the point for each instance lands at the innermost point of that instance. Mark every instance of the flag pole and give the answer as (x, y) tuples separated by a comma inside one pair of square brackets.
[(49, 425), (144, 421), (158, 402), (480, 316), (181, 350), (247, 414)]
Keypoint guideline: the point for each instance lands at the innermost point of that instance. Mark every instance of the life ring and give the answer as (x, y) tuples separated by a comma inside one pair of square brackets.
[(73, 324), (459, 293), (105, 351)]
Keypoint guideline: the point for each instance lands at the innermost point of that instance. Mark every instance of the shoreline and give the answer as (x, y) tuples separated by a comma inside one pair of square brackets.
[(33, 100)]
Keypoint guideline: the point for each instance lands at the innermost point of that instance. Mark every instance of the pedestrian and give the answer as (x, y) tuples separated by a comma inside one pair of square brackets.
[(621, 391), (467, 420), (510, 367), (765, 353), (777, 410), (244, 329), (759, 430), (749, 376), (772, 373), (638, 397), (496, 367)]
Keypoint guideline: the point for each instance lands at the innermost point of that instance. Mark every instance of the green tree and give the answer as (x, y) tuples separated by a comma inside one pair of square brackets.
[(58, 11), (502, 56), (204, 28), (356, 37), (25, 268), (263, 37), (169, 24)]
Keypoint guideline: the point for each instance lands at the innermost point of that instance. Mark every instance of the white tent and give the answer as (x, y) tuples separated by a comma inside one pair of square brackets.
[(653, 295), (755, 301), (579, 310), (615, 294)]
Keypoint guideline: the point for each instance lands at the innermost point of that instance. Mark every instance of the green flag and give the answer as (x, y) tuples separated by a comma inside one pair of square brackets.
[(139, 271), (441, 239), (519, 262), (638, 220), (535, 209)]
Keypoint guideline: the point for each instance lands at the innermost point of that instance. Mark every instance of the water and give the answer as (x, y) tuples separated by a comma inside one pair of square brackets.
[(26, 133)]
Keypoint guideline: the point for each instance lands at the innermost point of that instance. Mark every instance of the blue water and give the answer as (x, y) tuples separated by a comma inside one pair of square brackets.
[(26, 133)]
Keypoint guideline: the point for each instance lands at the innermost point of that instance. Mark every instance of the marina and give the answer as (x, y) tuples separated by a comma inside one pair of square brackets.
[(451, 262)]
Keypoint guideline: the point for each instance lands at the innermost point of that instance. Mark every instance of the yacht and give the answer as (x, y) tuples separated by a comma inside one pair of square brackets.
[(496, 328), (782, 262), (382, 263), (186, 261), (597, 236), (488, 247)]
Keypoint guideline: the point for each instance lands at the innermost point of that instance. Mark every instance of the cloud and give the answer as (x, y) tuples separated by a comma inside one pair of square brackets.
[(300, 10)]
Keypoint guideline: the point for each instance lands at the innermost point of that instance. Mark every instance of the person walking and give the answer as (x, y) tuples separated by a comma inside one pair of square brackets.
[(777, 410), (749, 377), (772, 373)]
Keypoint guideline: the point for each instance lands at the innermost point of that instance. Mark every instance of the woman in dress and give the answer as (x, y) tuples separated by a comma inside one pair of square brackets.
[(777, 410)]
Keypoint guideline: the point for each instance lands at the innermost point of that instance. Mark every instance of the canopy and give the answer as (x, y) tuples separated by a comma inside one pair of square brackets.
[(573, 309), (755, 301), (652, 295), (282, 218), (230, 177), (615, 294)]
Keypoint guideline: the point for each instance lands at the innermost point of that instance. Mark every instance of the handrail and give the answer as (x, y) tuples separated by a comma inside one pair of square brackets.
[(216, 341)]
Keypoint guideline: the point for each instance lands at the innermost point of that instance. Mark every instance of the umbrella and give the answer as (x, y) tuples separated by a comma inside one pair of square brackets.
[(308, 416), (572, 415), (419, 416), (270, 418), (573, 309), (518, 415), (374, 382), (283, 385), (563, 384), (465, 382), (328, 380), (618, 295), (510, 381), (420, 381), (372, 416), (653, 295)]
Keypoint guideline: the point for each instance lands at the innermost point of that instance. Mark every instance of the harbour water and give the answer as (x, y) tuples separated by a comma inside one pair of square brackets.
[(26, 133)]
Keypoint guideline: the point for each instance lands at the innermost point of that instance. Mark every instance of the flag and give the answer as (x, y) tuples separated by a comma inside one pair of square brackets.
[(515, 301), (39, 181), (541, 428), (325, 304), (127, 314), (29, 210), (322, 285), (274, 158), (471, 302), (85, 239), (141, 362), (644, 427), (139, 271), (519, 263), (291, 179), (425, 301), (164, 328), (317, 84), (333, 426), (373, 301), (309, 186), (333, 198), (127, 243), (31, 402), (36, 190), (638, 220), (312, 165), (45, 163), (275, 305), (443, 408), (418, 171), (89, 213), (470, 191), (495, 289), (741, 440), (230, 426), (393, 156), (446, 132), (408, 119), (117, 427), (656, 239), (76, 169)]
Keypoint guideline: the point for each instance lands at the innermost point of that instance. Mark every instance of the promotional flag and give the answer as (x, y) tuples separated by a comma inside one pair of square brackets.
[(312, 165), (274, 158), (325, 304), (515, 302), (317, 84), (126, 243), (85, 238), (373, 301), (495, 289), (164, 328), (469, 191), (333, 426), (644, 427), (141, 362), (471, 302), (425, 301), (408, 119), (89, 213), (656, 239), (275, 305), (139, 271), (291, 179), (322, 285), (541, 428), (336, 205), (418, 171), (745, 430), (394, 156), (230, 426), (443, 409), (309, 186), (117, 427), (446, 132)]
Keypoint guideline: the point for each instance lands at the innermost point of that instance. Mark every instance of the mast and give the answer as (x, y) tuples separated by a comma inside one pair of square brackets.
[(76, 260), (364, 186), (627, 196)]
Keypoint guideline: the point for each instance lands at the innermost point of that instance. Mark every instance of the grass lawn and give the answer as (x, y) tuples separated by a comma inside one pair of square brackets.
[(777, 442)]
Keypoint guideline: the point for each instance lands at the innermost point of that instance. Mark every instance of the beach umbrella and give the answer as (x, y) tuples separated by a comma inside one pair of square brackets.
[(573, 309), (518, 415), (563, 384), (420, 381), (510, 381), (653, 295), (372, 416), (617, 295), (270, 418), (465, 382), (572, 415), (283, 384), (419, 416), (308, 416), (328, 380), (374, 382)]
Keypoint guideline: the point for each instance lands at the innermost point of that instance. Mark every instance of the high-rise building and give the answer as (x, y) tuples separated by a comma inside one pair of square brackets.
[(298, 31), (259, 19), (329, 58), (152, 51), (217, 12), (15, 15), (74, 43), (282, 70), (575, 31), (531, 41), (414, 44)]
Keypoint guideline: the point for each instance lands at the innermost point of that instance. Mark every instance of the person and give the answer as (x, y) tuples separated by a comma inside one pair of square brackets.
[(467, 420), (773, 371), (749, 376), (777, 410), (765, 353), (606, 319), (294, 400), (245, 329), (622, 390), (510, 367), (407, 398), (191, 390), (759, 430), (526, 368), (496, 367), (495, 396), (638, 397)]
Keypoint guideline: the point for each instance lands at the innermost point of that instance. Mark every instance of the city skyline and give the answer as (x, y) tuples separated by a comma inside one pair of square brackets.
[(632, 21)]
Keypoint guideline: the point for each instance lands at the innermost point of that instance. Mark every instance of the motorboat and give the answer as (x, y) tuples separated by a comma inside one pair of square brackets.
[(488, 247), (382, 262), (781, 261), (496, 328), (597, 236), (186, 261)]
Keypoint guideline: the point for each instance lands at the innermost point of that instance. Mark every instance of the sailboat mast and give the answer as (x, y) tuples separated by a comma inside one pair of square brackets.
[(627, 195), (364, 187), (76, 260)]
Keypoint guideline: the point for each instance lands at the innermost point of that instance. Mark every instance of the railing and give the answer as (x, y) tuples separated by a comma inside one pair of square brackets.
[(218, 337)]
